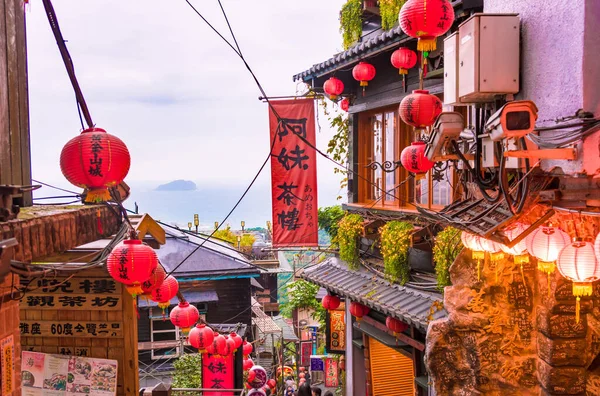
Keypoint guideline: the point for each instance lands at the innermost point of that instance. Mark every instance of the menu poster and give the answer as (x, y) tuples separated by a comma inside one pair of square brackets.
[(331, 373), (57, 375)]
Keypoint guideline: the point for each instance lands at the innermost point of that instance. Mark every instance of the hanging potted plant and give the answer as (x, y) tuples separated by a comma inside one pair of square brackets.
[(395, 240), (389, 10), (445, 249), (348, 235), (351, 22)]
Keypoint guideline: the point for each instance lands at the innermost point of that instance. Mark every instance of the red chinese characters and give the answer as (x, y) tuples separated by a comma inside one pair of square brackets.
[(217, 373), (294, 173)]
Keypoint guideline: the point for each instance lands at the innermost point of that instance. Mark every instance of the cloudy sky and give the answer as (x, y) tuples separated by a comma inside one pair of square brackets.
[(155, 75)]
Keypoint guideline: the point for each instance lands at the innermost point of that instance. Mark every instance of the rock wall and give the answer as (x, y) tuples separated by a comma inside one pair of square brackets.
[(513, 332)]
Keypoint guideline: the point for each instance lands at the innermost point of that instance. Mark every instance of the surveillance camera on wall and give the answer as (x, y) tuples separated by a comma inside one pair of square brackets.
[(447, 127), (513, 120)]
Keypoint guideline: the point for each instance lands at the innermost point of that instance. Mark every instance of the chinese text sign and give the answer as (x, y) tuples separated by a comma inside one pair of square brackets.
[(217, 373)]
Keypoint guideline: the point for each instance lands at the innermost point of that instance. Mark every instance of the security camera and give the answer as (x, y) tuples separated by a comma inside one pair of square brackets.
[(447, 127), (513, 120)]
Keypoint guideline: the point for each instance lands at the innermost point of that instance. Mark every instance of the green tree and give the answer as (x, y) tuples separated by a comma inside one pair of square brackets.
[(228, 236), (329, 218), (303, 294), (188, 371)]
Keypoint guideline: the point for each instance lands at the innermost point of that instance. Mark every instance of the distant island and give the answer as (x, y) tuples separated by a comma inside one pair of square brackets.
[(177, 185)]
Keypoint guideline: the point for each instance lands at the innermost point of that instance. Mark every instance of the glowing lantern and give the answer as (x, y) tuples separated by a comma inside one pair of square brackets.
[(201, 337), (184, 316), (578, 263), (156, 279), (545, 244), (420, 109), (414, 160), (248, 363), (345, 104), (272, 383), (131, 262), (395, 325), (495, 251), (95, 160), (358, 310), (237, 340), (333, 87), (426, 20), (330, 302), (473, 243), (220, 345), (404, 59), (167, 290), (246, 348), (363, 72)]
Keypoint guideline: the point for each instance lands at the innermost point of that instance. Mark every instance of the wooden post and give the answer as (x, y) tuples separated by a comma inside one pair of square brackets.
[(368, 385), (161, 390)]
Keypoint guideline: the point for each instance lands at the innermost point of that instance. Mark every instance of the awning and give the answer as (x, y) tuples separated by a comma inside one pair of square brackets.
[(382, 337), (410, 305), (191, 296)]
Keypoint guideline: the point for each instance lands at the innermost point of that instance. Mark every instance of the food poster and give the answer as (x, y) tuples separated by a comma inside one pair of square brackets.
[(57, 375)]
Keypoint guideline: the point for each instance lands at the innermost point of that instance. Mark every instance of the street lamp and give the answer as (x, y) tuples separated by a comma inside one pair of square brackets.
[(239, 241), (243, 225), (196, 222), (269, 225), (216, 225), (190, 225)]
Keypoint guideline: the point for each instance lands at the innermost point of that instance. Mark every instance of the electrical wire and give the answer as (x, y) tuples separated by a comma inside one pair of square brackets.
[(54, 187)]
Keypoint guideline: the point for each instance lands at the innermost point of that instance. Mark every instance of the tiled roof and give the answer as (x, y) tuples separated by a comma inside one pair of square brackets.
[(191, 296), (405, 303), (359, 51)]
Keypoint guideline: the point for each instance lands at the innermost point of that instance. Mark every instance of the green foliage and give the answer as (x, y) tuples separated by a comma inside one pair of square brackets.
[(303, 294), (227, 235), (446, 248), (351, 22), (349, 230), (395, 241), (338, 146), (188, 371), (329, 218), (389, 10)]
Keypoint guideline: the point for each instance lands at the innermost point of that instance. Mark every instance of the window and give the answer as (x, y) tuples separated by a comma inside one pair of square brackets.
[(164, 330)]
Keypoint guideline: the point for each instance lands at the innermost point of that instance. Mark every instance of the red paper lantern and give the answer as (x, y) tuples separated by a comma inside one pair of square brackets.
[(420, 109), (163, 294), (395, 325), (156, 279), (220, 345), (272, 383), (330, 302), (333, 87), (301, 375), (184, 316), (248, 363), (345, 104), (212, 348), (201, 337), (413, 158), (131, 262), (236, 339), (229, 347), (358, 310), (426, 20), (247, 348), (363, 72), (95, 160), (302, 369), (404, 59)]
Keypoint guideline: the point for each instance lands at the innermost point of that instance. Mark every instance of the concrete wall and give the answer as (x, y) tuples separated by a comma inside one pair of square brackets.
[(560, 63)]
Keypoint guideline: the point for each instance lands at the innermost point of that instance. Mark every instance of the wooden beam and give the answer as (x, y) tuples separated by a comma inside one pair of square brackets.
[(147, 225), (400, 336), (559, 154)]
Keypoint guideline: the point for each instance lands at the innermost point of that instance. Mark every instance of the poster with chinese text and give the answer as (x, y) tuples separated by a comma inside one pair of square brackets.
[(293, 173), (331, 373), (7, 365), (305, 351), (316, 363), (336, 331), (217, 373)]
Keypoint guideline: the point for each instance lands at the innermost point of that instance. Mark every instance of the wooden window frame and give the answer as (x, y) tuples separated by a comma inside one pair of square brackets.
[(155, 356)]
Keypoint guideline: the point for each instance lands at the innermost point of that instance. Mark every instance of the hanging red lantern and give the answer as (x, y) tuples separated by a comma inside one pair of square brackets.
[(201, 337), (345, 104), (358, 310), (220, 345), (163, 294), (395, 325), (545, 244), (426, 20), (404, 59), (96, 161), (236, 339), (156, 279), (363, 72), (414, 160), (131, 262), (578, 263), (248, 363), (333, 87), (229, 347), (212, 348), (247, 348), (420, 109), (184, 316), (272, 383), (301, 375), (330, 302)]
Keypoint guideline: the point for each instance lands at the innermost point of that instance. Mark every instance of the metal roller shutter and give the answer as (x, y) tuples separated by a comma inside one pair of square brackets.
[(392, 373)]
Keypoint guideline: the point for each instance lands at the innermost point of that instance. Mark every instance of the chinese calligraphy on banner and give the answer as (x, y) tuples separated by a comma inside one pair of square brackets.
[(336, 331), (305, 351), (293, 173), (331, 373), (7, 354), (217, 373), (316, 363)]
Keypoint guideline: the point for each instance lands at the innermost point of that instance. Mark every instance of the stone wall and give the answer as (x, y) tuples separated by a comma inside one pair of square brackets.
[(514, 331)]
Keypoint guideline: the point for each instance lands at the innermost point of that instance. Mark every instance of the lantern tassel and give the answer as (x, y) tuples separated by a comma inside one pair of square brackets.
[(478, 270), (549, 284), (98, 195), (99, 222), (523, 276), (426, 44), (404, 82), (577, 309)]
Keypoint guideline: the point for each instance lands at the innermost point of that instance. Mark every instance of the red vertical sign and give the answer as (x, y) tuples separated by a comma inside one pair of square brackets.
[(331, 373), (294, 173), (217, 373), (305, 352)]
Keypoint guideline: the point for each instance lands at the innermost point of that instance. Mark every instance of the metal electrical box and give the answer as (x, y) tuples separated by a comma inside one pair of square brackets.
[(488, 57), (451, 70)]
